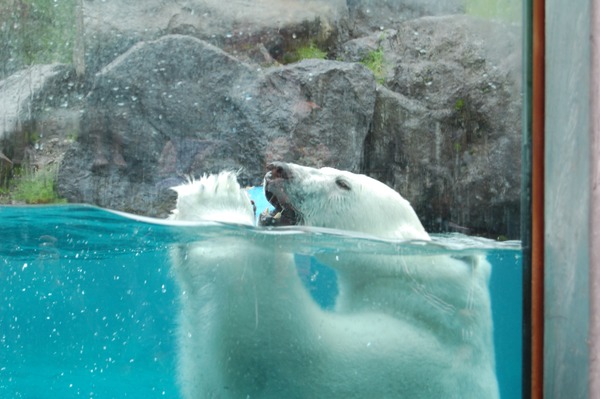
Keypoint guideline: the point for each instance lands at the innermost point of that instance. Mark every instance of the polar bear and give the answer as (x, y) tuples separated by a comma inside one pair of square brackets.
[(404, 326)]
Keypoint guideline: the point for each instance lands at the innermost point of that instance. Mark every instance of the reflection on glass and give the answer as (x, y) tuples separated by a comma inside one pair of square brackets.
[(114, 103)]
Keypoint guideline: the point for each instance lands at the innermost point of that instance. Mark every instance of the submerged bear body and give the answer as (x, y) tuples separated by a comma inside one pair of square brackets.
[(411, 326)]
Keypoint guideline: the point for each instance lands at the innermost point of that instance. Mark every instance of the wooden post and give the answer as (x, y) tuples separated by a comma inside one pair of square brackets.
[(537, 200)]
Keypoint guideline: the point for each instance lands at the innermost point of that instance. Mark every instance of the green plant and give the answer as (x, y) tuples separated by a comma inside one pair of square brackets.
[(34, 137), (459, 104), (374, 60), (72, 135), (37, 186), (309, 51)]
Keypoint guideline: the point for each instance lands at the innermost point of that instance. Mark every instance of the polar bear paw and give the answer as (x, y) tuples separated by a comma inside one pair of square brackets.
[(216, 197)]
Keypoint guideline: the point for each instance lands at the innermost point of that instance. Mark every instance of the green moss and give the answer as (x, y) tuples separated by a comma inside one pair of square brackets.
[(72, 135), (308, 51), (459, 104), (376, 63), (37, 187), (34, 137), (311, 52)]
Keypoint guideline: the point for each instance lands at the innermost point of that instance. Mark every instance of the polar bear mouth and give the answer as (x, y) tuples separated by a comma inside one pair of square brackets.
[(282, 215), (284, 212)]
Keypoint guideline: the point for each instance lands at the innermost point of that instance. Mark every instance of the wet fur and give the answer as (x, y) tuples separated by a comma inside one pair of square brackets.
[(403, 327)]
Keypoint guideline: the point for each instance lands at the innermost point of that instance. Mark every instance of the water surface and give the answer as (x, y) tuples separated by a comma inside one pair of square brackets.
[(88, 306)]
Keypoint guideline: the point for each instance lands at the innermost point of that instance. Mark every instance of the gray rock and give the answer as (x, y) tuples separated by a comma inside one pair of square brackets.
[(32, 101), (315, 113), (179, 106), (447, 135), (242, 29), (443, 129), (24, 92), (367, 16)]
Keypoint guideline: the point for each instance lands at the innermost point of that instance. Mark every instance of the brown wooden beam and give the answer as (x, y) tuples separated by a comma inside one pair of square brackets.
[(537, 201)]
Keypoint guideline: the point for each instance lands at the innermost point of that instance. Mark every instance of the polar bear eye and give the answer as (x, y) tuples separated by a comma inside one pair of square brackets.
[(343, 184)]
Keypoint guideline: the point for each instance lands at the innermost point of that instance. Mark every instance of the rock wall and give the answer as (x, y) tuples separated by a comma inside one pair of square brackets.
[(198, 87), (178, 107)]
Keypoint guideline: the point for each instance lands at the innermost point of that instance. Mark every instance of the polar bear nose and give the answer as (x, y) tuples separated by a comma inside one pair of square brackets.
[(279, 170)]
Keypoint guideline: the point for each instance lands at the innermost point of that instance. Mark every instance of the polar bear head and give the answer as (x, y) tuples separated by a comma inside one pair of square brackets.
[(337, 199)]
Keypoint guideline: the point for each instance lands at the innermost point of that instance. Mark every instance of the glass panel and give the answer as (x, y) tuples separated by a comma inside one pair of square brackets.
[(338, 292), (567, 207)]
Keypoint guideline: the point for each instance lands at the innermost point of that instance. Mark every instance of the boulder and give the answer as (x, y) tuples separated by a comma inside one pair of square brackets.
[(27, 99), (443, 126), (368, 16), (24, 92), (179, 106), (315, 112), (447, 125), (258, 31)]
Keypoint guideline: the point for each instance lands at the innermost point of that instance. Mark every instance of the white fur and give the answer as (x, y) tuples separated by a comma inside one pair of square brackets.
[(403, 327)]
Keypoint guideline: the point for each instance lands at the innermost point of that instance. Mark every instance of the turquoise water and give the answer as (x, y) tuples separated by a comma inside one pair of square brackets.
[(88, 307)]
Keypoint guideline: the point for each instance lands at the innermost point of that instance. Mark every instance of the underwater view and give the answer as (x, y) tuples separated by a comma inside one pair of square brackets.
[(88, 304)]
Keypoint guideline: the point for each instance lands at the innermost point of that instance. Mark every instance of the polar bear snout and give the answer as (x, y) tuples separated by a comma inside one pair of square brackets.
[(284, 214), (274, 185), (278, 170)]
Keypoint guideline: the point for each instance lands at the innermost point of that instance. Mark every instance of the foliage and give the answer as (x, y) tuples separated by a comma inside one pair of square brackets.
[(374, 60), (36, 31), (37, 186), (309, 51), (459, 104)]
